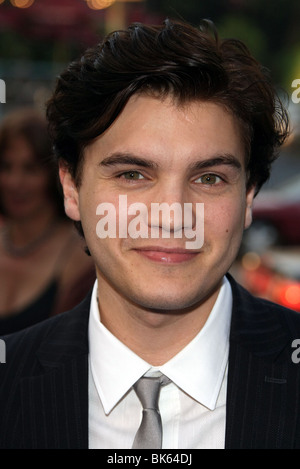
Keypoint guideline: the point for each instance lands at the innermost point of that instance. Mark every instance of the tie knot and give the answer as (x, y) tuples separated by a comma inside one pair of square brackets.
[(147, 390)]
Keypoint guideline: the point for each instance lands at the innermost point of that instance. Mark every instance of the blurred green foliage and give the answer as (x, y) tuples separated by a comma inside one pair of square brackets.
[(270, 28)]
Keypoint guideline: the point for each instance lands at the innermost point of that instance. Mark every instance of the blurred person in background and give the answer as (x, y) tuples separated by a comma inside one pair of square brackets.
[(41, 255)]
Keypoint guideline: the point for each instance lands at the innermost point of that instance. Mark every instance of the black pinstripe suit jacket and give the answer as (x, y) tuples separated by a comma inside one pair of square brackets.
[(44, 383)]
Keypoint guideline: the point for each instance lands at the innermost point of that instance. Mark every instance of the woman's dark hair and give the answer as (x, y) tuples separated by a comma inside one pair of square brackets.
[(31, 125), (174, 58)]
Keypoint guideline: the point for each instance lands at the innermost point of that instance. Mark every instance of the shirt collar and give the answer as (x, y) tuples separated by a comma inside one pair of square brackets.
[(198, 369)]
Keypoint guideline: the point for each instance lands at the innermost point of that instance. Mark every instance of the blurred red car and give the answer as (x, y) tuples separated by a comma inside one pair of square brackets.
[(276, 218)]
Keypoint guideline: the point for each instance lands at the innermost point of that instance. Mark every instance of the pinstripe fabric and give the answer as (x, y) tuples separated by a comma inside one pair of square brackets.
[(44, 384), (263, 382), (43, 397)]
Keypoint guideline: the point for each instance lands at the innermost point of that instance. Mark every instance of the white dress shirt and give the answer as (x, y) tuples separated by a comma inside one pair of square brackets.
[(192, 407)]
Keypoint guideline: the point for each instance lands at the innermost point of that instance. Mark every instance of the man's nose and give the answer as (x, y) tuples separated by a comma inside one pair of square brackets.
[(170, 208)]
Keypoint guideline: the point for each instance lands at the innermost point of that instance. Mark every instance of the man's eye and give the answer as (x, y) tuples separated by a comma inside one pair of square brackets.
[(209, 179), (131, 176)]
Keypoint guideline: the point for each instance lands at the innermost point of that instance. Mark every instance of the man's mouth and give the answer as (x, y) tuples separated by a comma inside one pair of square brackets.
[(166, 255)]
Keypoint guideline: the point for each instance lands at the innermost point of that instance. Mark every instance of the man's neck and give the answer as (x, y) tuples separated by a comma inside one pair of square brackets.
[(157, 336)]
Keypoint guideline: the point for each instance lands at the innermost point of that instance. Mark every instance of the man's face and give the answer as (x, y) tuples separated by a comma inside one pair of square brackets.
[(155, 152)]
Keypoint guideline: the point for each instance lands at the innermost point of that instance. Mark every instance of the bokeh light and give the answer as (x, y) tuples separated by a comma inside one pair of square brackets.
[(251, 261), (292, 295), (22, 3), (99, 4)]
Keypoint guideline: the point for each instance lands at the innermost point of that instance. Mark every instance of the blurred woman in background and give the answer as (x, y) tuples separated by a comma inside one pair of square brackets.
[(43, 267)]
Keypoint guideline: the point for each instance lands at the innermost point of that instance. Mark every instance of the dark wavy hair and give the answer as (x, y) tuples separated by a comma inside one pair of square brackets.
[(174, 58), (31, 125)]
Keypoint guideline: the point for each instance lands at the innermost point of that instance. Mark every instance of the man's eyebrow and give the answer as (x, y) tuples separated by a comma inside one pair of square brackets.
[(219, 160), (127, 159), (133, 160)]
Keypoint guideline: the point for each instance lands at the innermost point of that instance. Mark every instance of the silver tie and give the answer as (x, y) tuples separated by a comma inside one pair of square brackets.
[(149, 434)]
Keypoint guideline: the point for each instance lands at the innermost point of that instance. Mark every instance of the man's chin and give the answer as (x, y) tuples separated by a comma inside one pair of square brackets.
[(169, 304), (176, 299)]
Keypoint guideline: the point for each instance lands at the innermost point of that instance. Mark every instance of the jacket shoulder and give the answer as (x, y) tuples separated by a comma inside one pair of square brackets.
[(263, 325), (58, 332), (36, 359)]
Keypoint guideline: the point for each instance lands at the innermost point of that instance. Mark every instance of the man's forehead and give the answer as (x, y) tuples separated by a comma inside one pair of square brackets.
[(151, 129)]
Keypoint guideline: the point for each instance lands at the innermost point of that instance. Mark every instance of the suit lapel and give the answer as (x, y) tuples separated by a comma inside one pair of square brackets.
[(262, 380), (55, 403)]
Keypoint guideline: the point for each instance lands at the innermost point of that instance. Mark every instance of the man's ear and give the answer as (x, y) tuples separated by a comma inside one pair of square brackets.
[(71, 196), (249, 203)]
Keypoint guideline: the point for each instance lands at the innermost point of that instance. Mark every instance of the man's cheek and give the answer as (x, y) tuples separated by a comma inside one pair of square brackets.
[(222, 225), (106, 226)]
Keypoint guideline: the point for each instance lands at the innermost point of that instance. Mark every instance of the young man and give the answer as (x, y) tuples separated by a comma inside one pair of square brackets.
[(166, 116)]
